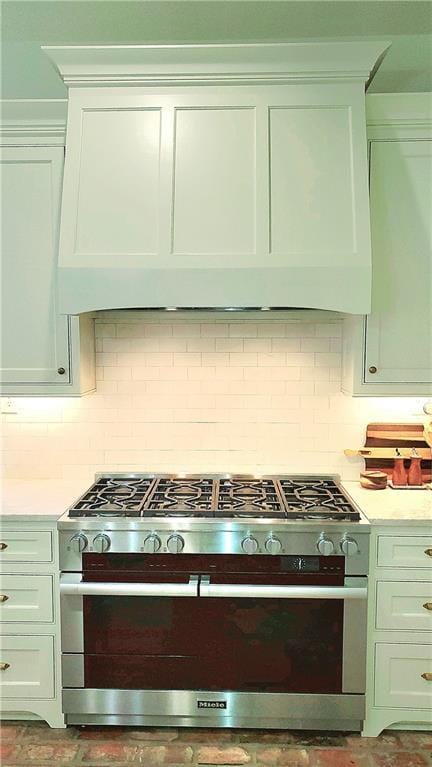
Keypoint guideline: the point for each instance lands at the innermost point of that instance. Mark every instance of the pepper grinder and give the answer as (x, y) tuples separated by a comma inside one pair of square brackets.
[(414, 471), (399, 476)]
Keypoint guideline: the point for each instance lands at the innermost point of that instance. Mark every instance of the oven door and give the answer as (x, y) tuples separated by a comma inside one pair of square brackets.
[(302, 637), (253, 632)]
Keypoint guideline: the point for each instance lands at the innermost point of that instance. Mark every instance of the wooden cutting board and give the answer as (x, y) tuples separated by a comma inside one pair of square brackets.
[(382, 439)]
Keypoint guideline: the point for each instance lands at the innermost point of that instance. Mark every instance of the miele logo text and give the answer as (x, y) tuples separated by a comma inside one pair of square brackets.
[(211, 703)]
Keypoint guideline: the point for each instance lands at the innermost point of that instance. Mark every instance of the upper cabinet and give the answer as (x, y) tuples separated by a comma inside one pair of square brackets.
[(42, 351), (216, 176), (390, 351)]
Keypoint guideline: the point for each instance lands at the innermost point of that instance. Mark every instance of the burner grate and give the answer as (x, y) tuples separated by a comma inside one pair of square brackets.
[(182, 496), (227, 497), (249, 498), (113, 497)]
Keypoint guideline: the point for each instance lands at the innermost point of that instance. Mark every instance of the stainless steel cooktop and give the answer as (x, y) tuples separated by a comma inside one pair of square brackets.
[(217, 497)]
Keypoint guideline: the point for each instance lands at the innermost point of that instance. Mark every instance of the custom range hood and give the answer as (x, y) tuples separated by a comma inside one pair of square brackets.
[(216, 176)]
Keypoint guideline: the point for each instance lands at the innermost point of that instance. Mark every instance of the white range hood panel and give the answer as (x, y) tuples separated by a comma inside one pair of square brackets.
[(216, 176)]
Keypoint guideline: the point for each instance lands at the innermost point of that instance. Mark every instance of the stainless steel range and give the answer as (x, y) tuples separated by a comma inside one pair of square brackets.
[(223, 601)]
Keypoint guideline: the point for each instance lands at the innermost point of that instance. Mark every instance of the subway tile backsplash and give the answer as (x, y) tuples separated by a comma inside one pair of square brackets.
[(202, 393)]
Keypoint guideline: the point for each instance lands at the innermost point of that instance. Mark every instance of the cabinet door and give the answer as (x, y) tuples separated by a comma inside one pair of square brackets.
[(27, 666), (34, 338), (402, 674), (399, 329)]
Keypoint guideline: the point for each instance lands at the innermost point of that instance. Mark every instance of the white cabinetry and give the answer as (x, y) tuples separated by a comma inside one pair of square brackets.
[(42, 351), (30, 651), (390, 350), (399, 685)]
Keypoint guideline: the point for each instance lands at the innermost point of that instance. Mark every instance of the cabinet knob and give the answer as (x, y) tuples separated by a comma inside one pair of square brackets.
[(61, 371), (3, 546), (427, 676), (428, 552), (4, 666), (4, 598), (373, 369), (428, 606)]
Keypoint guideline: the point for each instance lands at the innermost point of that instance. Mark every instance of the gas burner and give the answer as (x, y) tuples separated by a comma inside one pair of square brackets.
[(316, 498), (249, 498), (113, 497), (180, 496)]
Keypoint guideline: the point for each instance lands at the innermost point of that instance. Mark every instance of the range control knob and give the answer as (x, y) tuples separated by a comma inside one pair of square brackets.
[(78, 543), (349, 546), (249, 545), (273, 545), (152, 544), (175, 544), (324, 545), (101, 543)]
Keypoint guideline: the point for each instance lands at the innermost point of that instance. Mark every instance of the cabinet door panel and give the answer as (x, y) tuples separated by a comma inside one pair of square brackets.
[(399, 330), (404, 606), (311, 171), (26, 598), (34, 338), (118, 199), (399, 680), (29, 666), (214, 187)]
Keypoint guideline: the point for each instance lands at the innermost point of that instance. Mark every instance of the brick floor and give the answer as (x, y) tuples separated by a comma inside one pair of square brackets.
[(34, 743)]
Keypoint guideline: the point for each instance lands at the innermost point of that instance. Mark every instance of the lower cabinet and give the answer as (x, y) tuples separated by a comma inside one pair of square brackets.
[(389, 351), (403, 675), (399, 679), (30, 681), (26, 666)]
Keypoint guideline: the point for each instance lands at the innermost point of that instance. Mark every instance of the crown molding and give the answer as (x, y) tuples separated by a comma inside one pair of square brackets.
[(40, 121), (399, 110), (233, 64)]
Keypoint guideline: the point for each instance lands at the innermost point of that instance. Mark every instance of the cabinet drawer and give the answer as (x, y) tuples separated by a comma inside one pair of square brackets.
[(404, 551), (31, 546), (405, 606), (26, 598), (29, 672), (398, 675)]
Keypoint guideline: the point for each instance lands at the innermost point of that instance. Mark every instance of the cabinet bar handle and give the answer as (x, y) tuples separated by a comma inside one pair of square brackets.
[(4, 598), (427, 605), (428, 552), (3, 546), (427, 675), (4, 666)]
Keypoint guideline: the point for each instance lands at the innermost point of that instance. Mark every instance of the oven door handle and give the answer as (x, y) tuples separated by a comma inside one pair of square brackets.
[(246, 591), (79, 588)]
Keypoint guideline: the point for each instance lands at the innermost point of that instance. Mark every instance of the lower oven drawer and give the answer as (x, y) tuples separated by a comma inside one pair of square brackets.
[(403, 675), (27, 666)]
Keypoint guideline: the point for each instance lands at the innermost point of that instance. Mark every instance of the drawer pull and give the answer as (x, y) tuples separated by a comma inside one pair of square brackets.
[(428, 606), (428, 552), (427, 675), (4, 546), (4, 598), (5, 666)]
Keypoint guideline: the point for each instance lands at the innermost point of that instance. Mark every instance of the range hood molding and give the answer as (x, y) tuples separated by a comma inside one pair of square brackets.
[(250, 190), (272, 63)]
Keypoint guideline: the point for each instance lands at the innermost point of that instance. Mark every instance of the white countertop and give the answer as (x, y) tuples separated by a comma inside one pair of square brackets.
[(47, 499), (37, 500), (408, 507)]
